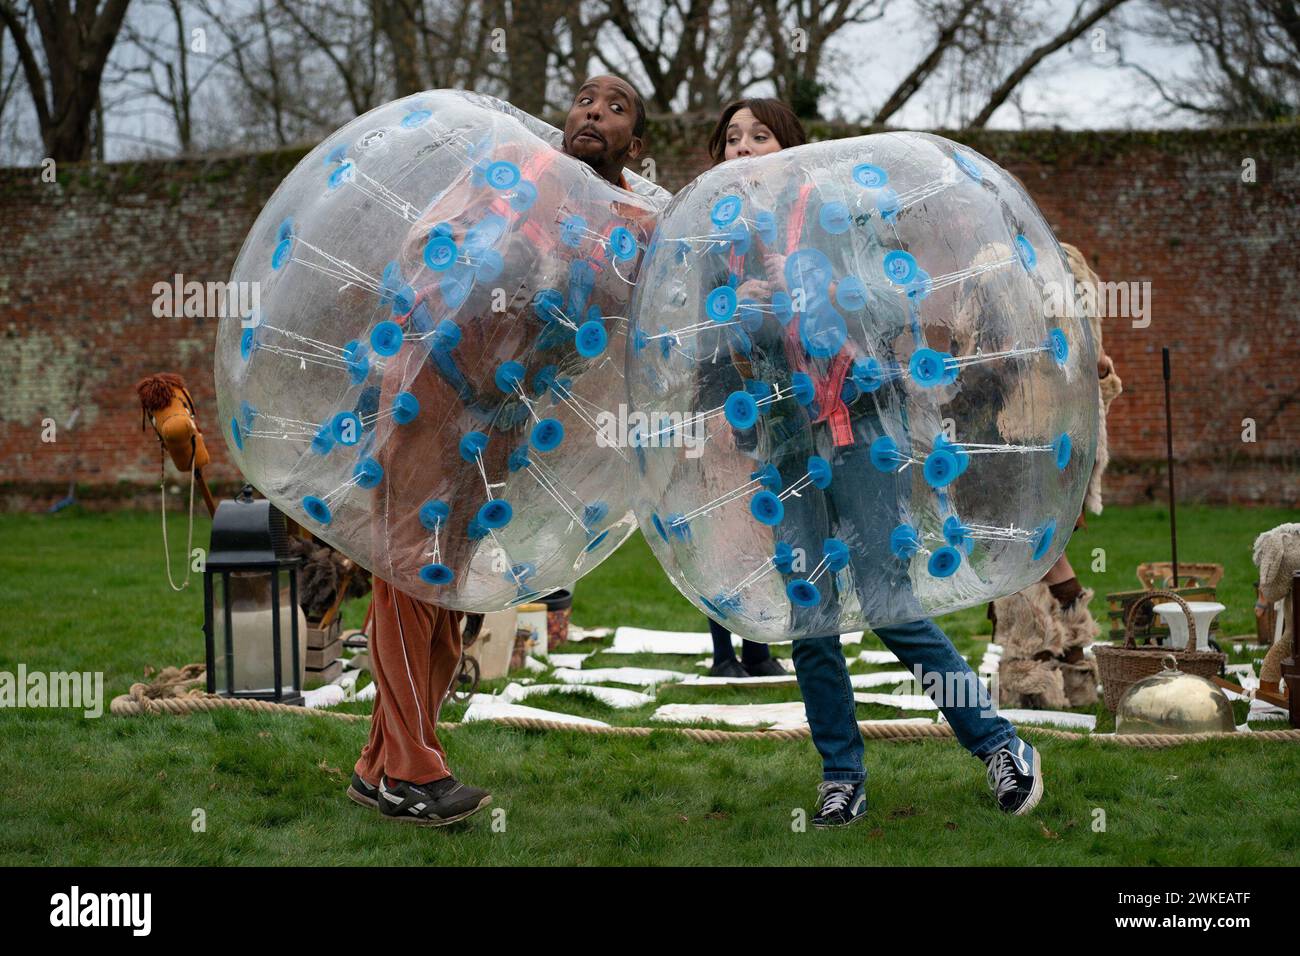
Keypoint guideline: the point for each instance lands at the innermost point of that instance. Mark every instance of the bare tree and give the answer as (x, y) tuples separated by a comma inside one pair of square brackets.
[(951, 19), (76, 41), (1248, 53), (798, 33)]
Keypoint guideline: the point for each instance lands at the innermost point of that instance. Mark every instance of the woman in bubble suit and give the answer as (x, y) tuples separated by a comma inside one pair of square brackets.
[(860, 506)]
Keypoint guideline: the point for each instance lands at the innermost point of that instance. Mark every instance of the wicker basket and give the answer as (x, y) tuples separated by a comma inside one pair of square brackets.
[(1121, 667)]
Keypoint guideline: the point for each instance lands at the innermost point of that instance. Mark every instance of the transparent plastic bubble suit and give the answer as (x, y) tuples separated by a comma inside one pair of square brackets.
[(442, 304), (861, 390)]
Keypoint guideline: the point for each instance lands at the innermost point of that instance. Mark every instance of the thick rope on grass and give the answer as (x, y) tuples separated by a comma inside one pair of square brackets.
[(137, 703)]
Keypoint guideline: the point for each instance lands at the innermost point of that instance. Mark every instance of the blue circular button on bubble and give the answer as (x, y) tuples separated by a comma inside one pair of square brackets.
[(809, 270), (440, 253), (246, 344), (483, 235), (884, 454), (475, 530), (823, 333), (712, 608), (804, 390), (1062, 446), (502, 175), (544, 380), (678, 526), (944, 562), (282, 251), (594, 513), (765, 226), (519, 458), (1025, 251), (803, 593), (437, 574), (415, 118), (547, 434), (767, 508), (851, 294), (386, 338), (904, 541), (403, 300), (741, 410), (739, 236), (867, 374), (956, 533), (834, 218), (405, 407), (725, 211), (345, 428), (441, 229), (323, 443), (235, 434), (547, 304), (285, 230), (929, 367), (1042, 538), (247, 412), (900, 267), (869, 176), (595, 542), (342, 173), (472, 445), (591, 339), (523, 196), (783, 307), (520, 572), (941, 468), (357, 358), (920, 287), (888, 204), (640, 340), (819, 470), (446, 336), (571, 232), (368, 473), (783, 557), (622, 244), (337, 154), (967, 165), (836, 553), (434, 514), (1059, 346), (495, 514), (317, 509), (720, 304), (659, 526), (488, 266), (768, 476), (456, 286), (508, 375)]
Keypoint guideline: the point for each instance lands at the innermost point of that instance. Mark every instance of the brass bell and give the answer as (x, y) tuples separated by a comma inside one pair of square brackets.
[(1172, 702)]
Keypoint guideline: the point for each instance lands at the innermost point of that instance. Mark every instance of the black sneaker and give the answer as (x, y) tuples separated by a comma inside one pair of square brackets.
[(1016, 777), (839, 804), (361, 792), (430, 804), (770, 667), (728, 668)]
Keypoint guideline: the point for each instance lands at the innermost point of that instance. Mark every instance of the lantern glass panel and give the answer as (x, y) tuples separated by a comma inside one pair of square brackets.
[(250, 632)]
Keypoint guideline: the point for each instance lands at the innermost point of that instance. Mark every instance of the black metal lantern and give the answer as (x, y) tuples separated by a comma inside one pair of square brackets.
[(250, 624)]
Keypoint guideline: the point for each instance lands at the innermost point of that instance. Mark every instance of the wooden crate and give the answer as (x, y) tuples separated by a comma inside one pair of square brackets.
[(1148, 627), (324, 675), (318, 637), (319, 657)]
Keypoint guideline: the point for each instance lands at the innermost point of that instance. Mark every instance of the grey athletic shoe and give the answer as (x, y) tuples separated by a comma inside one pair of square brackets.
[(430, 804)]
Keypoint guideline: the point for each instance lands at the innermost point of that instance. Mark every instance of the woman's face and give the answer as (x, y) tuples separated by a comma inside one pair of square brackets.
[(747, 136)]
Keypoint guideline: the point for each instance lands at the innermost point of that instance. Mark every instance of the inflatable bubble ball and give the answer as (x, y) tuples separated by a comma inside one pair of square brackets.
[(442, 300), (863, 392)]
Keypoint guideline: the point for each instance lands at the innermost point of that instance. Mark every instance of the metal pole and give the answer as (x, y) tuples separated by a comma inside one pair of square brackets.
[(1169, 460)]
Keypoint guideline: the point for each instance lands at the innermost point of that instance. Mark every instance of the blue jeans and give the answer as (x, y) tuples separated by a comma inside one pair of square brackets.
[(860, 507), (823, 675)]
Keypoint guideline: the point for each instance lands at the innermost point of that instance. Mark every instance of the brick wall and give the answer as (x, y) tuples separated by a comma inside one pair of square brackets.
[(1170, 208)]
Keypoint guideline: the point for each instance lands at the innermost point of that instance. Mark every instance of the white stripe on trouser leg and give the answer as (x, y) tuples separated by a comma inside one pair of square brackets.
[(411, 680)]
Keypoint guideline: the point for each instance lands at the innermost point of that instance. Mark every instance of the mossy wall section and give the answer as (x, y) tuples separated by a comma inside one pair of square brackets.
[(1171, 209)]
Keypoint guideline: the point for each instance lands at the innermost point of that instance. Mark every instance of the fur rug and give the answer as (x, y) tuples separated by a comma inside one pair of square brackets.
[(1031, 624)]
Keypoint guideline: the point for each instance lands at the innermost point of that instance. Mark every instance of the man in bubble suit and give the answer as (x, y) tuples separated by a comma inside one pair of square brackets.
[(416, 649)]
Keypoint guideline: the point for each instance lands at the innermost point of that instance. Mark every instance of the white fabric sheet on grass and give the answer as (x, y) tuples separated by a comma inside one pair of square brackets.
[(783, 716), (901, 701), (568, 660), (878, 657), (488, 707), (639, 640), (619, 697), (636, 676), (715, 681), (1061, 718), (881, 679)]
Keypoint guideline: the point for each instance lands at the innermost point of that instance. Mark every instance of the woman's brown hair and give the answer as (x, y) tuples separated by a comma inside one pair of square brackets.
[(773, 114)]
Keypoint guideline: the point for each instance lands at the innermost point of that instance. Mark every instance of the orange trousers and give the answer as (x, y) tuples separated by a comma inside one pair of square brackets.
[(414, 656)]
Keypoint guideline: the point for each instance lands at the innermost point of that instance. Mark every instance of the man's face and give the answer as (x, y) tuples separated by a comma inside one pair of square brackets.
[(598, 129)]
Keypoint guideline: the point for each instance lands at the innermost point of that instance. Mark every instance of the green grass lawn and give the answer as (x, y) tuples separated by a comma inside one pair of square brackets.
[(88, 592)]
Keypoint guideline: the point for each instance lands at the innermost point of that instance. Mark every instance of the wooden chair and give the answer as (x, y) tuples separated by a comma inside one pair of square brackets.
[(1160, 574)]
